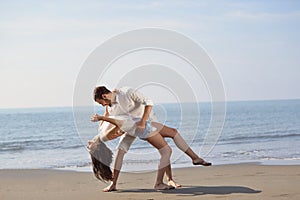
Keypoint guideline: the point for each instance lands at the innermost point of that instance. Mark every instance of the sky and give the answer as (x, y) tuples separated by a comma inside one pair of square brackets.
[(255, 45)]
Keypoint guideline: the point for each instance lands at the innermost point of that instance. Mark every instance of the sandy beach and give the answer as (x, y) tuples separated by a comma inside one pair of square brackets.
[(242, 181)]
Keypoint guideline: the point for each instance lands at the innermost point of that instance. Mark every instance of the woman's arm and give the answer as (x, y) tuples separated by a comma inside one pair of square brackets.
[(116, 122), (127, 125), (110, 132)]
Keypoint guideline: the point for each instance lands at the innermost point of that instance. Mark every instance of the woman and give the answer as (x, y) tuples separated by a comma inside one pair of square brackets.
[(154, 133)]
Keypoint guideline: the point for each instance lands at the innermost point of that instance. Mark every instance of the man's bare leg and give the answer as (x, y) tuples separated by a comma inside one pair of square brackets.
[(117, 168)]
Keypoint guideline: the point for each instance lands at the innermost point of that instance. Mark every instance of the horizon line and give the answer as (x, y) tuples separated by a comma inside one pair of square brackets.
[(229, 101)]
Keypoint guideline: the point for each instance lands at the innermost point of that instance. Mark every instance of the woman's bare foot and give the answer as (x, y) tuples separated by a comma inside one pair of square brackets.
[(163, 186), (110, 188), (200, 161), (173, 184)]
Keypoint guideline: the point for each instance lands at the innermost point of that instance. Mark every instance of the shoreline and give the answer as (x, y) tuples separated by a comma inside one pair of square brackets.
[(88, 168), (234, 181)]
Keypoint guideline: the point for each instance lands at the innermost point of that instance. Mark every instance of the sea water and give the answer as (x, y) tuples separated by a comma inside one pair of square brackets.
[(254, 131)]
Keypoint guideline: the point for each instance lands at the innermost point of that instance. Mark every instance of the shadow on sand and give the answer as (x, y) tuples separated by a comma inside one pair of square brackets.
[(199, 190)]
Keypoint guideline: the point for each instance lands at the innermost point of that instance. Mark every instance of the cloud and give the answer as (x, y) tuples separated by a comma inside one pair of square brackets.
[(264, 15)]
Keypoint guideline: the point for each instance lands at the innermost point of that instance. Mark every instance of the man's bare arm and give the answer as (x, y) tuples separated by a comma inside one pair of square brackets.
[(142, 124)]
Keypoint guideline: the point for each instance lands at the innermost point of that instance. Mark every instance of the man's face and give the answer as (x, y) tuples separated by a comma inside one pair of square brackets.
[(103, 102)]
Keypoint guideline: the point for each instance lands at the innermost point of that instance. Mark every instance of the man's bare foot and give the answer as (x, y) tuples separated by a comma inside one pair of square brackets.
[(163, 186), (110, 188), (200, 161), (173, 184)]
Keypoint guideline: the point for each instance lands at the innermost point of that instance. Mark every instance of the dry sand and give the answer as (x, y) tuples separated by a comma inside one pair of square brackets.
[(243, 181)]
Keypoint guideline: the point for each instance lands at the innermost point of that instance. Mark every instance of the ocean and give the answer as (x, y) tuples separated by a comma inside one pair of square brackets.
[(266, 132)]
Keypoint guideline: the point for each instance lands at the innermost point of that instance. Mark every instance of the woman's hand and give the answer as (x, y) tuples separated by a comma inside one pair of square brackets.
[(95, 118)]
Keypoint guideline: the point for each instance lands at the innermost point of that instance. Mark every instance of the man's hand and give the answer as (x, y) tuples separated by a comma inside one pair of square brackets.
[(140, 126)]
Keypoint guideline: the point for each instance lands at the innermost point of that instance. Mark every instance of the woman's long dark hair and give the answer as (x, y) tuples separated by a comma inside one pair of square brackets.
[(101, 157)]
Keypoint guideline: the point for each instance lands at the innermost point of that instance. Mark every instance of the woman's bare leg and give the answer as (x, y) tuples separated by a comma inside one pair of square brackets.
[(117, 168), (170, 180), (166, 131), (165, 151)]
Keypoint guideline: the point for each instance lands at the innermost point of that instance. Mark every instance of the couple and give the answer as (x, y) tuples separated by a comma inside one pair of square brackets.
[(128, 114)]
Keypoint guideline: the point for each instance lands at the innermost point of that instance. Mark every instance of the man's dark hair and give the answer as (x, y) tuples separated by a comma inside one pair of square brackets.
[(98, 91)]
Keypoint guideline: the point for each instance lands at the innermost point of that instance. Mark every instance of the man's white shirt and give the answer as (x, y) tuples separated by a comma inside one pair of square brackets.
[(129, 101)]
